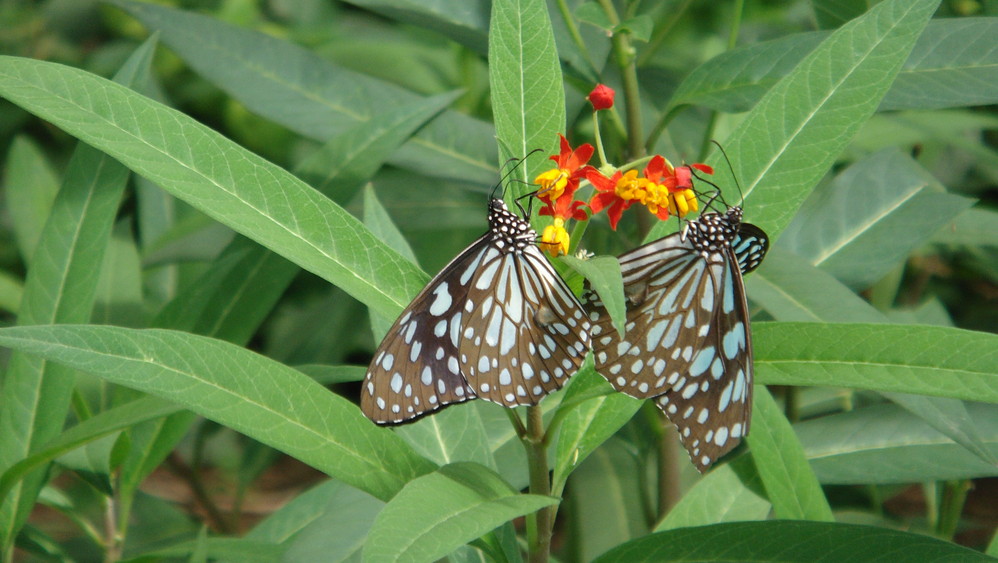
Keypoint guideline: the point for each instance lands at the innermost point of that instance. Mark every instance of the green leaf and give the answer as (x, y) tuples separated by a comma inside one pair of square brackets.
[(306, 93), (348, 160), (797, 130), (791, 289), (925, 360), (974, 227), (833, 13), (593, 14), (606, 500), (439, 512), (259, 397), (97, 426), (730, 492), (951, 65), (949, 417), (11, 292), (886, 444), (603, 273), (452, 435), (790, 484), (232, 298), (61, 287), (329, 522), (859, 244), (463, 21), (331, 375), (528, 98), (588, 425), (788, 541), (222, 179), (237, 549), (30, 186), (640, 27)]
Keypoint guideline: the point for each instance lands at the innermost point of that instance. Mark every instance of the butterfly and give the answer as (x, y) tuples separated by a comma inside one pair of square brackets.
[(687, 342), (496, 323)]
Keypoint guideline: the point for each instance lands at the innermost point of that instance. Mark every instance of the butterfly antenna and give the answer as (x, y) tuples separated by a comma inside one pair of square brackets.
[(741, 195), (713, 196)]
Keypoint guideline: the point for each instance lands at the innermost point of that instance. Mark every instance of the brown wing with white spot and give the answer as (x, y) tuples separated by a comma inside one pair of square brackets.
[(497, 322), (416, 370), (668, 293), (711, 407), (527, 332), (687, 341)]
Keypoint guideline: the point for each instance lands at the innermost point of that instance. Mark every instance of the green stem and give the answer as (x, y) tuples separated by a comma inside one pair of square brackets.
[(573, 30), (954, 496), (736, 25), (599, 140), (540, 484), (662, 32), (629, 79)]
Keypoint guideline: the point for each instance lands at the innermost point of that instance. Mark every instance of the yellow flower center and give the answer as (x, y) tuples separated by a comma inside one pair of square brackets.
[(552, 183), (629, 186), (683, 202), (556, 238)]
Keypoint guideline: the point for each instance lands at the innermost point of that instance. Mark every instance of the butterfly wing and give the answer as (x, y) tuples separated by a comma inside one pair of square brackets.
[(711, 403), (416, 369), (750, 247), (666, 286), (687, 340), (497, 323), (526, 332)]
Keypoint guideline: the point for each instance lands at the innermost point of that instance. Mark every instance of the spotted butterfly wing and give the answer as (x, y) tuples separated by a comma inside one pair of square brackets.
[(497, 323), (687, 342)]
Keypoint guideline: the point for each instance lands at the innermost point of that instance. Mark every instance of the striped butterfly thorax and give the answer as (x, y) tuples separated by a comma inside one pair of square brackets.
[(687, 342), (497, 323)]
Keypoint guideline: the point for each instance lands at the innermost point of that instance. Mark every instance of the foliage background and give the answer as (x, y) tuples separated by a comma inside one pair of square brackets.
[(899, 233)]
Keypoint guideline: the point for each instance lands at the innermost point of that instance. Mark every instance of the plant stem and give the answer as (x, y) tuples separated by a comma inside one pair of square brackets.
[(629, 78), (540, 484), (954, 496)]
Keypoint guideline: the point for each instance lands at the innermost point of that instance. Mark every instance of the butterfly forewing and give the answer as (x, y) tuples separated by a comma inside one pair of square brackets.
[(496, 323), (687, 340)]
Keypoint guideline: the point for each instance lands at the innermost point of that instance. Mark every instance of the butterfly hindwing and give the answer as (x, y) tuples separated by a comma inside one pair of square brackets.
[(497, 323), (687, 342), (416, 368)]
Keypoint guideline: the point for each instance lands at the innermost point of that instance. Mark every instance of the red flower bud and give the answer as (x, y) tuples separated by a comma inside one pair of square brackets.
[(601, 97)]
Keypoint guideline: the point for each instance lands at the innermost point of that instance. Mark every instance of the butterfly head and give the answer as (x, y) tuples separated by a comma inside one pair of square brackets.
[(509, 232), (713, 231)]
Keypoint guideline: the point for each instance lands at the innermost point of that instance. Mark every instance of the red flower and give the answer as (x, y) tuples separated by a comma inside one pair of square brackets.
[(601, 97), (558, 186), (566, 176), (662, 189), (616, 193)]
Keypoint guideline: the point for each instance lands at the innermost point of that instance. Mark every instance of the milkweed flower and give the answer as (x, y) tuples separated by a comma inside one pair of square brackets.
[(555, 238), (661, 188), (571, 168), (557, 191)]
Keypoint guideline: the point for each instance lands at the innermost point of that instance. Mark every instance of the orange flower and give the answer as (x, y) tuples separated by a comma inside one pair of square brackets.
[(558, 186), (566, 176), (662, 189)]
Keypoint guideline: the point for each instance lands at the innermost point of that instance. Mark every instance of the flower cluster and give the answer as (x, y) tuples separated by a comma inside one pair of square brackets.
[(665, 190), (557, 191)]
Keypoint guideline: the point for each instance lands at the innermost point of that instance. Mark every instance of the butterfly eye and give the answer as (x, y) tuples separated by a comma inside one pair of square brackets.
[(687, 341), (497, 323)]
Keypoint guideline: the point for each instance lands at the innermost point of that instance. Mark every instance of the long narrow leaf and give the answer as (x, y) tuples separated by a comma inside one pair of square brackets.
[(259, 397)]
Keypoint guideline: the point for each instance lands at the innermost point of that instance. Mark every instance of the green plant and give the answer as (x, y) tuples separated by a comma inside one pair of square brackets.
[(845, 133)]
